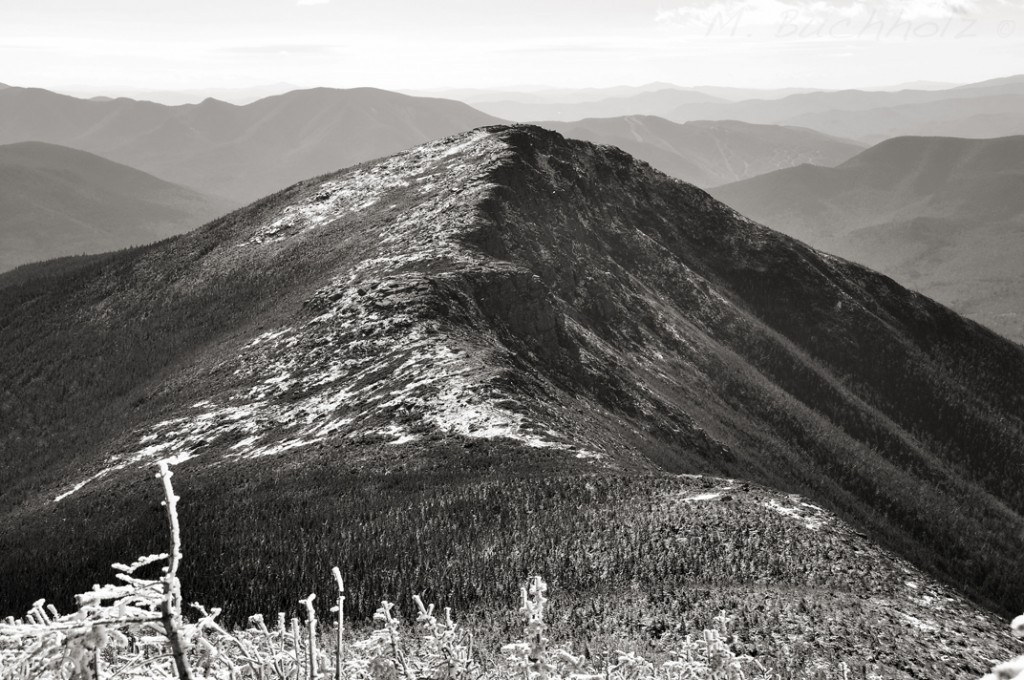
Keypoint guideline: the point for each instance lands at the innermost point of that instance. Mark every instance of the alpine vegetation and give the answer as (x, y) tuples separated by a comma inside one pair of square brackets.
[(136, 629)]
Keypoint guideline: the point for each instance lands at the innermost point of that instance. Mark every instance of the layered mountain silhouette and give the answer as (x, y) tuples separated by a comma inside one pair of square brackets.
[(977, 117), (56, 201), (943, 216), (987, 109), (425, 368), (568, 106), (710, 153), (238, 152), (573, 104)]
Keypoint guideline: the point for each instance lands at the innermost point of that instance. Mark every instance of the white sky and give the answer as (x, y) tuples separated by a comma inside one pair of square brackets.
[(107, 45)]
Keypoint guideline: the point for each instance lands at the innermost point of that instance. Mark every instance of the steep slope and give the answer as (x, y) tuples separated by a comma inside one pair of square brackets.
[(943, 216), (240, 152), (710, 153), (56, 201), (59, 266), (488, 355)]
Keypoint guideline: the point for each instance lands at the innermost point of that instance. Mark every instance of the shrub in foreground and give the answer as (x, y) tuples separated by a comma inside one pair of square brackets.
[(136, 629)]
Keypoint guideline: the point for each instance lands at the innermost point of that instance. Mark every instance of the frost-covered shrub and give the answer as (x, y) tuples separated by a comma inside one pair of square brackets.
[(1014, 668), (136, 629)]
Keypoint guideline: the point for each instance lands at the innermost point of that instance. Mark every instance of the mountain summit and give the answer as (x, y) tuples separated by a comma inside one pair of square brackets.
[(500, 306)]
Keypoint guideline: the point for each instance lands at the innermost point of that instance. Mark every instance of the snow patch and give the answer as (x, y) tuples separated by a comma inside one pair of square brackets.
[(810, 516), (364, 351), (703, 497)]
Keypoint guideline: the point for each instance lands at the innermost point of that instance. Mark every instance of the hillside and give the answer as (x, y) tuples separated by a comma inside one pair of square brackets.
[(432, 369), (239, 152), (711, 153), (56, 201), (943, 216)]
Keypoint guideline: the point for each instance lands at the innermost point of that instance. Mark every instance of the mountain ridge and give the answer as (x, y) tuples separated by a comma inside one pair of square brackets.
[(502, 305)]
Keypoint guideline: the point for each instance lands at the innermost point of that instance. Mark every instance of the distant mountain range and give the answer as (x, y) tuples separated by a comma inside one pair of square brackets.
[(237, 152), (56, 201), (975, 117), (498, 339), (486, 98), (645, 102), (710, 153), (944, 216), (231, 95), (987, 109), (659, 99)]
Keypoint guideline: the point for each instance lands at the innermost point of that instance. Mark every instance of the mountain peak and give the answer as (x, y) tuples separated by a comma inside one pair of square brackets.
[(508, 298), (456, 164)]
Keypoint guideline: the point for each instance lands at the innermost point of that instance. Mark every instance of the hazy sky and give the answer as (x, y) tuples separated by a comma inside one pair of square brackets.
[(107, 45)]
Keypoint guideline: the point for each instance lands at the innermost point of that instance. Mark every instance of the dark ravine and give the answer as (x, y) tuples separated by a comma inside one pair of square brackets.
[(497, 315)]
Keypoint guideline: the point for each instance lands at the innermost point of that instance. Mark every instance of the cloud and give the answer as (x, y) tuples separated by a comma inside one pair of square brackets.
[(718, 17), (910, 9), (279, 49)]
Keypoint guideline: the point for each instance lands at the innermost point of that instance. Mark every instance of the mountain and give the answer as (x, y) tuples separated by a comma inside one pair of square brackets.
[(978, 117), (1011, 81), (917, 85), (646, 102), (505, 353), (942, 216), (741, 93), (820, 102), (56, 201), (872, 116), (539, 94), (239, 152), (233, 95), (710, 153)]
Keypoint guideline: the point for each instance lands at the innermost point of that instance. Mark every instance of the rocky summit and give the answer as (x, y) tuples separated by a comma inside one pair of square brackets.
[(403, 366)]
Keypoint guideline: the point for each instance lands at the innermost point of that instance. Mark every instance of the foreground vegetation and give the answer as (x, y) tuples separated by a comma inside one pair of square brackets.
[(137, 628)]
